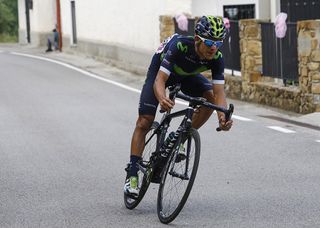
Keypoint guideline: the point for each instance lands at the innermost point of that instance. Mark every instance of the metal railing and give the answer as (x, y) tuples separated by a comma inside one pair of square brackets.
[(280, 56), (299, 10), (231, 48)]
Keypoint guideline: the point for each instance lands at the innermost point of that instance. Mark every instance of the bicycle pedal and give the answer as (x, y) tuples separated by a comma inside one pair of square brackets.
[(180, 157), (131, 196), (181, 176)]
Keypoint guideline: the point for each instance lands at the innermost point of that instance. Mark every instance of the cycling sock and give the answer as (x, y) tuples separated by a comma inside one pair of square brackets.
[(134, 169)]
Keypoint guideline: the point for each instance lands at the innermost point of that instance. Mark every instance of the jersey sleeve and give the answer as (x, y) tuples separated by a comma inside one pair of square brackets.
[(217, 69), (169, 58)]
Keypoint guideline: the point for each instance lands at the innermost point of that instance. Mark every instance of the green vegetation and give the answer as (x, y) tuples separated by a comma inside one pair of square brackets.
[(8, 20)]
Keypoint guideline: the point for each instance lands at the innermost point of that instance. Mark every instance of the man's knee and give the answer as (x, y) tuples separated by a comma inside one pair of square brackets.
[(201, 116), (144, 122), (206, 111)]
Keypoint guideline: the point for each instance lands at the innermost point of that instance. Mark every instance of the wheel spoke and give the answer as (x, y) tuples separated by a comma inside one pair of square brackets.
[(143, 178), (174, 189)]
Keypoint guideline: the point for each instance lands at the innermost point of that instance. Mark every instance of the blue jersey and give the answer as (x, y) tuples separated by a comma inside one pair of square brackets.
[(178, 57)]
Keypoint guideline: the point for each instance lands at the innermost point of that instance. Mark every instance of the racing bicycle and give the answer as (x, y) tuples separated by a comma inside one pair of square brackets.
[(171, 159)]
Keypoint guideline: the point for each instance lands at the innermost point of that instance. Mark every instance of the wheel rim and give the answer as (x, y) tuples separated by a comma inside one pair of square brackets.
[(143, 181), (174, 188)]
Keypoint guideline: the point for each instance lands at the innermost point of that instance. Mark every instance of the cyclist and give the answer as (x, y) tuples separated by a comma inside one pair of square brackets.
[(181, 59)]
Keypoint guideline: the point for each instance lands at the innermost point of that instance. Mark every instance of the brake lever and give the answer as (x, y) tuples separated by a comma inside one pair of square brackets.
[(228, 115)]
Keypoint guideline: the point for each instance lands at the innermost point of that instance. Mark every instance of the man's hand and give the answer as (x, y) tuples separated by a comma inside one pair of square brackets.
[(223, 125), (220, 99), (160, 92), (166, 104)]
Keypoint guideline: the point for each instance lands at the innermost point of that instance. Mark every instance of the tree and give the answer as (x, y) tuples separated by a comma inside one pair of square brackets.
[(9, 17)]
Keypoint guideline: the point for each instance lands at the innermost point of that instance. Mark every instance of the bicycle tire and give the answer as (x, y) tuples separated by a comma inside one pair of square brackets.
[(165, 199), (149, 148)]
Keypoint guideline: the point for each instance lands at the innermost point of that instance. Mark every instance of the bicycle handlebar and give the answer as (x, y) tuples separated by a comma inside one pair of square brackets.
[(202, 101), (174, 92)]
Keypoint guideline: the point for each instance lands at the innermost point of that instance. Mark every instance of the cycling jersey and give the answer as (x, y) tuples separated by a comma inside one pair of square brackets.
[(177, 57)]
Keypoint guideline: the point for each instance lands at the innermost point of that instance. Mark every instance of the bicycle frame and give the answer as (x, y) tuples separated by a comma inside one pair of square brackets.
[(166, 119), (185, 124)]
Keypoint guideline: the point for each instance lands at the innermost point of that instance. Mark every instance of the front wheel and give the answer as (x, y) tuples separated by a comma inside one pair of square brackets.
[(178, 176), (143, 178)]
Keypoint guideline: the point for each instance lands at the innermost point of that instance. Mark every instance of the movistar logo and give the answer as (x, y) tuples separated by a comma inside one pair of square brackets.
[(218, 55), (181, 47), (180, 71)]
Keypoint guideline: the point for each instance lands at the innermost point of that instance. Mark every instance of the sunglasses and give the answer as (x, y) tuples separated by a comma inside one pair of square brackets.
[(211, 43)]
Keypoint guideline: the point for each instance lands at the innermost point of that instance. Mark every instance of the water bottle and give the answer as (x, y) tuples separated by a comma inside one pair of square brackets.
[(168, 144), (169, 139)]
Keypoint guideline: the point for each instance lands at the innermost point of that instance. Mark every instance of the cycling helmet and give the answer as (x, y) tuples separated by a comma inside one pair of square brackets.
[(210, 27)]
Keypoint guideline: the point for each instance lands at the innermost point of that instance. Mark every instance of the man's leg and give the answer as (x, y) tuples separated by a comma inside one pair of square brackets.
[(49, 45), (199, 86), (203, 114), (143, 125), (147, 109), (148, 104)]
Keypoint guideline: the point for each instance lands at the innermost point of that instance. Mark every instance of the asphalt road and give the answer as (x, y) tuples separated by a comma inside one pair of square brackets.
[(64, 143)]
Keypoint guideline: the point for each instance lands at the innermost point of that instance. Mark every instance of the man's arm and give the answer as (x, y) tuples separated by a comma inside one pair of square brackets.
[(159, 88), (220, 99)]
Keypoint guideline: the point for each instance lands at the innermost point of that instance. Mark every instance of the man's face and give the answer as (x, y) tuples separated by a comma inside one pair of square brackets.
[(207, 49)]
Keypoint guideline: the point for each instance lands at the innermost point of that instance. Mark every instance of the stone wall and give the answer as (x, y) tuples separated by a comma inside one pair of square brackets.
[(250, 49), (166, 27), (254, 87), (309, 59), (302, 98)]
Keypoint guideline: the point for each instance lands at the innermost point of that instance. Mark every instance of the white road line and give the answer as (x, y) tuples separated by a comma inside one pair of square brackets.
[(79, 70), (281, 129), (104, 79), (241, 118), (318, 141)]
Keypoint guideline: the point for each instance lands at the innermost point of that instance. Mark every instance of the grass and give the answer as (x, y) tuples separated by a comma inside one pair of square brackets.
[(6, 38)]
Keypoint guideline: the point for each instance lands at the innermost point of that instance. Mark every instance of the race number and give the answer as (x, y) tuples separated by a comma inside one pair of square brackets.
[(164, 43)]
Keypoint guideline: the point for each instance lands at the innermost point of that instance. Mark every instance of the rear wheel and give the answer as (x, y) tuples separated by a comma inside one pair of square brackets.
[(143, 177), (178, 177)]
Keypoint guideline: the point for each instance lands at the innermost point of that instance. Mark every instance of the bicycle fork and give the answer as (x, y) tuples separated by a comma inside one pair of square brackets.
[(172, 172), (183, 131)]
